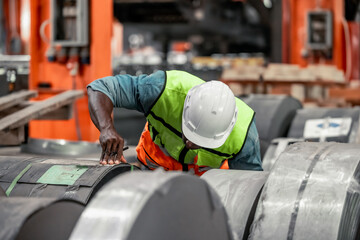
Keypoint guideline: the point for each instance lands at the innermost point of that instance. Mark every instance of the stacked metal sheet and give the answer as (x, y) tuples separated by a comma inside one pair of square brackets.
[(58, 178), (154, 205), (239, 192), (38, 218), (312, 192)]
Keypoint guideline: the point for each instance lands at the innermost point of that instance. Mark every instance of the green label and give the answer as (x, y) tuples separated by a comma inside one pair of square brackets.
[(62, 174)]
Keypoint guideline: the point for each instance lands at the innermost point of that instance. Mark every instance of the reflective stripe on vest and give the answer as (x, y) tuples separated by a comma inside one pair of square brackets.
[(165, 124)]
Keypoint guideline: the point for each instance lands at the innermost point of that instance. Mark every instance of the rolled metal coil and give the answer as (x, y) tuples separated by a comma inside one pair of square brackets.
[(239, 192), (154, 205), (59, 178), (2, 193), (312, 193), (277, 146), (60, 147), (38, 218)]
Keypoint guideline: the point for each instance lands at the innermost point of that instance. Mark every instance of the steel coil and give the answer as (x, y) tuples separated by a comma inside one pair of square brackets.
[(274, 114), (311, 193), (38, 218), (239, 191), (59, 178), (277, 146), (60, 147), (154, 205), (2, 193)]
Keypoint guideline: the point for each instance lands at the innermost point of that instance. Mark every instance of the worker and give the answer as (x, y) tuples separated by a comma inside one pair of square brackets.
[(192, 125)]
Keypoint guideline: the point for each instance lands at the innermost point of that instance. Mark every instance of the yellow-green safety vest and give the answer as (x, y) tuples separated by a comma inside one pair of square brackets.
[(165, 118)]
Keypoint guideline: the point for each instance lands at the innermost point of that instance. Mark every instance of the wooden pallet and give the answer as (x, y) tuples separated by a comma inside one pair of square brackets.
[(16, 112)]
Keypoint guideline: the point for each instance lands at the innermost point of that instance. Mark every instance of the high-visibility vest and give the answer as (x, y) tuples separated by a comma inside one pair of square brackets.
[(164, 129)]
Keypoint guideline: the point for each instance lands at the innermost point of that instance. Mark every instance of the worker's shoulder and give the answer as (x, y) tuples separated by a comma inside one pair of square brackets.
[(160, 74)]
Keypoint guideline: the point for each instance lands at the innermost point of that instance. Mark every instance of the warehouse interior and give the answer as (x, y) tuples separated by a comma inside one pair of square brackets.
[(295, 63)]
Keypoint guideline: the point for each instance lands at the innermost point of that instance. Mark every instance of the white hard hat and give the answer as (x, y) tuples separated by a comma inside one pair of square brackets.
[(209, 114)]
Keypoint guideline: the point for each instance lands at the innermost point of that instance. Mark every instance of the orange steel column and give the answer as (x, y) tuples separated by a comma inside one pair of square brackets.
[(297, 22), (355, 50), (57, 75), (286, 44)]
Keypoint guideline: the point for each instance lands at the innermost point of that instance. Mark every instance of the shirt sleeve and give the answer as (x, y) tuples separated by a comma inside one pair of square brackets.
[(249, 158), (131, 92)]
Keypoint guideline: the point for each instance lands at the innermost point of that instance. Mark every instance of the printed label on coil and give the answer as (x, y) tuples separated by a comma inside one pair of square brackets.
[(62, 174), (327, 127)]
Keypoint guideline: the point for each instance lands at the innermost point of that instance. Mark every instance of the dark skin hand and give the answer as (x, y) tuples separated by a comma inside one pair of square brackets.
[(100, 108)]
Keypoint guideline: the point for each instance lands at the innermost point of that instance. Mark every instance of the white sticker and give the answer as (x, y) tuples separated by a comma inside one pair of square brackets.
[(327, 127)]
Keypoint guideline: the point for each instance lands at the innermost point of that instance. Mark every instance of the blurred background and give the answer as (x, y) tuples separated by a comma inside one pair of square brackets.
[(306, 49)]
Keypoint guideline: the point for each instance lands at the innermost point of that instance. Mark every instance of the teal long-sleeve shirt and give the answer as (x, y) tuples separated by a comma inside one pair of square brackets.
[(140, 92)]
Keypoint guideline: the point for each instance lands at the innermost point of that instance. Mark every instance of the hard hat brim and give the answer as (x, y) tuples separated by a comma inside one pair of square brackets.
[(203, 141)]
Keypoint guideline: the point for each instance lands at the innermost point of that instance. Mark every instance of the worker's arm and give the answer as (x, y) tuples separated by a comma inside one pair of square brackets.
[(123, 91), (100, 108), (249, 158)]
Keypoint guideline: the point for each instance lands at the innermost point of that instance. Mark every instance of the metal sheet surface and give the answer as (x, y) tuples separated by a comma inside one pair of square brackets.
[(2, 192), (239, 192), (60, 147), (311, 193), (277, 146), (154, 205)]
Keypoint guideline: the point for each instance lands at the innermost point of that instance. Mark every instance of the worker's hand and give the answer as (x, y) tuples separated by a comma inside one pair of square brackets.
[(112, 147)]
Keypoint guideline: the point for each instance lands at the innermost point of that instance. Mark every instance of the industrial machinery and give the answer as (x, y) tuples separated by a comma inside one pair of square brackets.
[(209, 26), (14, 73), (160, 34), (171, 34), (321, 32), (67, 38), (319, 28)]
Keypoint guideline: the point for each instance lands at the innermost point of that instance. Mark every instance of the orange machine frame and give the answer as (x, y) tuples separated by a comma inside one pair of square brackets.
[(294, 30), (58, 75)]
